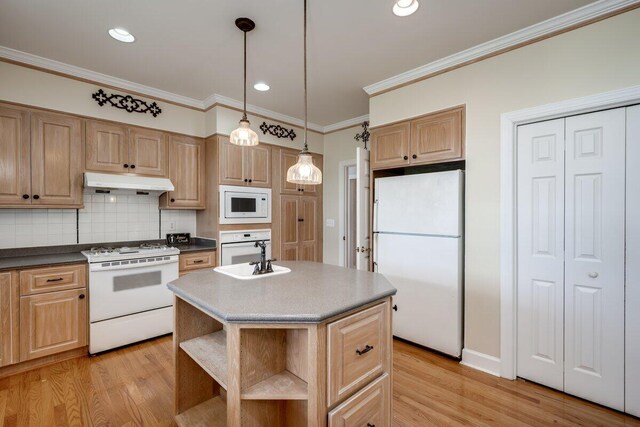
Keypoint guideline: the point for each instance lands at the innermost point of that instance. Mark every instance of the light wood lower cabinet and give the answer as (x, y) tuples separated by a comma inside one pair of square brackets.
[(49, 279), (52, 323), (9, 318), (369, 407), (190, 262)]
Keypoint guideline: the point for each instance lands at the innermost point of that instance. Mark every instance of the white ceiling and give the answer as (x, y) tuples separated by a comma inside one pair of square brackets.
[(192, 47)]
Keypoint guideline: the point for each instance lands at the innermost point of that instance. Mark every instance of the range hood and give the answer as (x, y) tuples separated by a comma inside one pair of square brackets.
[(107, 181)]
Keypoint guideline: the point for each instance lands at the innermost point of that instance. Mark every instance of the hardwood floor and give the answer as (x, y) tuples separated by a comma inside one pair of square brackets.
[(134, 387)]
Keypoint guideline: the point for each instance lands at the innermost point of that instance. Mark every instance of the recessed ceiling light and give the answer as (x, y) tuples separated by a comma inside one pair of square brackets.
[(121, 35), (262, 87), (405, 7)]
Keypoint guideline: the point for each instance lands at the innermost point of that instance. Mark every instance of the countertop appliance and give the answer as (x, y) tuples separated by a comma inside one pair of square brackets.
[(418, 247), (244, 205), (128, 296), (238, 247)]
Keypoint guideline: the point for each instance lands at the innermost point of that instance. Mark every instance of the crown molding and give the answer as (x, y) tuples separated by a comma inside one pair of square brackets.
[(345, 124), (560, 23)]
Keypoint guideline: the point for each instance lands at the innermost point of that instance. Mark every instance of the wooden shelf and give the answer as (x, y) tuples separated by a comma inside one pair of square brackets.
[(281, 386), (211, 413), (210, 352)]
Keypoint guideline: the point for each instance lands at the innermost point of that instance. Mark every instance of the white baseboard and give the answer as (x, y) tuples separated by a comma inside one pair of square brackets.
[(480, 361)]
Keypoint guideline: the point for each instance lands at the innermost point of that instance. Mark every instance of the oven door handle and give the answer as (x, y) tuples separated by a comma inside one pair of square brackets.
[(98, 266)]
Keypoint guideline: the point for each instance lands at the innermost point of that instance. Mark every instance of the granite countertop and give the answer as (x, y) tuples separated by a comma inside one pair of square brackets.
[(198, 244), (311, 293), (24, 261)]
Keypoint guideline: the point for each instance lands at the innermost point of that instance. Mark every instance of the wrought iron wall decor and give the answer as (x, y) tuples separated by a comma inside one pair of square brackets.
[(364, 135), (278, 131), (126, 102)]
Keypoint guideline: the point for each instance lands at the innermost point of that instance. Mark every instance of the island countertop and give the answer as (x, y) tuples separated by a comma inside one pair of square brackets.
[(311, 293)]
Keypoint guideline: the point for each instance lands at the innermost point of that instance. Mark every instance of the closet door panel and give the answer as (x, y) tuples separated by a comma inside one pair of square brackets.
[(632, 345), (541, 252), (594, 262)]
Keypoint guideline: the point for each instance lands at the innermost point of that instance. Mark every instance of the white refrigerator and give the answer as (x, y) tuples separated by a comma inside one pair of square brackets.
[(418, 247)]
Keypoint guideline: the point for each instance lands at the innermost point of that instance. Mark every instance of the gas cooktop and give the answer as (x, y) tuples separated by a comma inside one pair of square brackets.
[(102, 253)]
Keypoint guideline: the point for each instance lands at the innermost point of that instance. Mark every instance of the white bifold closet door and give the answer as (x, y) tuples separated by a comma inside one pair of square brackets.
[(571, 207)]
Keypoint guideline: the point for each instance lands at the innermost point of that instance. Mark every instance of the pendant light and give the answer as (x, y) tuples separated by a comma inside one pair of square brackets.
[(304, 171), (244, 135)]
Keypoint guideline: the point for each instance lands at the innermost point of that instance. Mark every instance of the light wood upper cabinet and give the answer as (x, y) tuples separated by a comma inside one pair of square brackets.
[(107, 147), (52, 323), (15, 157), (437, 137), (56, 160), (186, 172), (9, 305), (250, 166), (258, 166), (390, 146), (433, 138), (147, 152)]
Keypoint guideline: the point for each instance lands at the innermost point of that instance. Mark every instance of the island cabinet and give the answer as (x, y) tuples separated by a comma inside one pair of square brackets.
[(40, 159), (244, 166), (253, 371), (433, 138)]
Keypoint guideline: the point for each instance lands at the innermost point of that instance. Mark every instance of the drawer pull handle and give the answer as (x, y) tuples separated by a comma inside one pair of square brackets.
[(59, 279), (198, 261), (366, 349), (371, 425)]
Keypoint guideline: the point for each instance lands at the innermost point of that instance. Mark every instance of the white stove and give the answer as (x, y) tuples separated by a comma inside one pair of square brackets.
[(128, 296)]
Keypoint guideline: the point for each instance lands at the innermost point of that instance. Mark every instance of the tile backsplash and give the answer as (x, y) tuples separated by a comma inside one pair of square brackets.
[(104, 218)]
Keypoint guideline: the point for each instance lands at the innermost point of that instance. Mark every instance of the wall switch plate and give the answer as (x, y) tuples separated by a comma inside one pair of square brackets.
[(331, 222)]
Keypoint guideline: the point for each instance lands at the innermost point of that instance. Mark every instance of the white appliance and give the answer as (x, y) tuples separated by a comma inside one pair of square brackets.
[(128, 297), (418, 247), (238, 247), (109, 181), (244, 205)]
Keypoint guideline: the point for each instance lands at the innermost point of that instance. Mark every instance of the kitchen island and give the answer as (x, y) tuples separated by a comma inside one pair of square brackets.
[(307, 348)]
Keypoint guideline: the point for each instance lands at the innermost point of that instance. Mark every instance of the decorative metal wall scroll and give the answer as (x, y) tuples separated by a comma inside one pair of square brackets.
[(278, 131), (364, 135), (126, 102)]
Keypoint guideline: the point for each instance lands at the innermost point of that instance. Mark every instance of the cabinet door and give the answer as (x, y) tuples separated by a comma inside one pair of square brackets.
[(231, 164), (437, 138), (147, 152), (186, 171), (107, 147), (9, 333), (288, 158), (289, 228), (308, 213), (52, 323), (258, 166), (390, 146), (15, 163), (56, 160)]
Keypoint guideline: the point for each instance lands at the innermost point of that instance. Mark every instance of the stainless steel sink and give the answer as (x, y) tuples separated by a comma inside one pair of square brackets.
[(245, 271)]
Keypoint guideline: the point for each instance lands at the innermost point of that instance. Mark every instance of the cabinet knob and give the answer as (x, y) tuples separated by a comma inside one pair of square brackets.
[(250, 180), (395, 307), (246, 180), (406, 157), (414, 156), (133, 166), (81, 296), (300, 219), (173, 200), (25, 196), (594, 274), (125, 165), (36, 197)]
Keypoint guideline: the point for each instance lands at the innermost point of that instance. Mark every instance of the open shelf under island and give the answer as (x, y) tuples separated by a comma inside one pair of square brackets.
[(308, 348)]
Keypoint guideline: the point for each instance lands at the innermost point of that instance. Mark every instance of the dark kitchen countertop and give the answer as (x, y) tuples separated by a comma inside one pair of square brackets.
[(198, 244), (27, 261)]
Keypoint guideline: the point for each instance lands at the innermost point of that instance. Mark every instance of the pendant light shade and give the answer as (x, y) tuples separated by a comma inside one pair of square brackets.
[(243, 135), (304, 172)]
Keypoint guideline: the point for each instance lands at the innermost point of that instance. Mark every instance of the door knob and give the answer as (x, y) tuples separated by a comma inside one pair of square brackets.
[(593, 274)]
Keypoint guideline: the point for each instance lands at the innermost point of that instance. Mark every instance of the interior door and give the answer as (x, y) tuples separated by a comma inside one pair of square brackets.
[(632, 342), (595, 253), (363, 244), (541, 252)]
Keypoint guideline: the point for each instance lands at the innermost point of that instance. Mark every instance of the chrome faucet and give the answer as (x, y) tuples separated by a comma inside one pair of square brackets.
[(264, 265)]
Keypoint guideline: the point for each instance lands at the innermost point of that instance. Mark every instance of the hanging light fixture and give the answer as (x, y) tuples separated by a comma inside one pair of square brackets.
[(304, 171), (244, 135)]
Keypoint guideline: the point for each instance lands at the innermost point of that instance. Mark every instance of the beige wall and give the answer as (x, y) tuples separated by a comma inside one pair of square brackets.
[(338, 146), (601, 57), (40, 89)]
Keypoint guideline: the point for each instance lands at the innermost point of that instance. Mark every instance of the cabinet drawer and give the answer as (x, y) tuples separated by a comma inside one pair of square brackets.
[(369, 407), (358, 349), (197, 261), (48, 279)]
